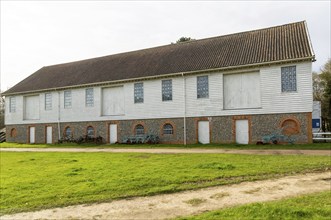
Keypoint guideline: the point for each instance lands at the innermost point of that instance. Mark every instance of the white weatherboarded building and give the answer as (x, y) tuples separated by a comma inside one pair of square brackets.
[(233, 88)]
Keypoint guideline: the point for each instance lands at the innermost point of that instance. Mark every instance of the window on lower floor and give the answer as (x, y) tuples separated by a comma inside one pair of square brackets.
[(68, 132), (168, 129), (13, 132), (90, 132), (140, 130)]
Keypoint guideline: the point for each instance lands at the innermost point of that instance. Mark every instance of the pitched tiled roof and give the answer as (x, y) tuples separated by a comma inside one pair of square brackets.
[(286, 42)]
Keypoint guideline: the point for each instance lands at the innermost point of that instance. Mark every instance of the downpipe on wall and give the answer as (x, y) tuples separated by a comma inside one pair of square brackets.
[(58, 116), (184, 88)]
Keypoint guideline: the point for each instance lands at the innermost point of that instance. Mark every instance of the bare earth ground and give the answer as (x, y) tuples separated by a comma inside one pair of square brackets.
[(189, 202), (171, 151)]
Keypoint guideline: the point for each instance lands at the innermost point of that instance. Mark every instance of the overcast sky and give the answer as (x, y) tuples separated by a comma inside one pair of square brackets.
[(41, 33)]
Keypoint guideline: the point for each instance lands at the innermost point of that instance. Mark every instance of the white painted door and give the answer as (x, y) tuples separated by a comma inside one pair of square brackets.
[(203, 132), (49, 136), (113, 133), (242, 136), (32, 135)]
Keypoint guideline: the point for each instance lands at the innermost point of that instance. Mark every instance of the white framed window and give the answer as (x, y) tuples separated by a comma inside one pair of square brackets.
[(167, 90), (90, 132), (68, 132), (48, 101), (89, 97), (67, 99), (202, 87), (289, 79), (140, 130), (138, 93), (12, 104), (168, 129)]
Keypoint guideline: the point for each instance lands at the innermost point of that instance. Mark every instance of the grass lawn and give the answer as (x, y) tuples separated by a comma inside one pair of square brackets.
[(37, 180), (314, 146), (314, 206)]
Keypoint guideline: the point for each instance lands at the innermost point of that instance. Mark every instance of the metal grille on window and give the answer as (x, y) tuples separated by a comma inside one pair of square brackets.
[(48, 101), (68, 132), (289, 81), (168, 129), (140, 130), (166, 90), (90, 132), (138, 93), (89, 97), (12, 104), (67, 99), (202, 87)]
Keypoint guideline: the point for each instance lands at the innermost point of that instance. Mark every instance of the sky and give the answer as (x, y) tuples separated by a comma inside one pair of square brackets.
[(34, 34)]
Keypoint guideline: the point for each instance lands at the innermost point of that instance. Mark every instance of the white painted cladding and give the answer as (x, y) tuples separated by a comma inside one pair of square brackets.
[(272, 99)]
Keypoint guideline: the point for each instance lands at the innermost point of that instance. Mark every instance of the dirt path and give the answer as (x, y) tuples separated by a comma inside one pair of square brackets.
[(172, 151), (189, 202)]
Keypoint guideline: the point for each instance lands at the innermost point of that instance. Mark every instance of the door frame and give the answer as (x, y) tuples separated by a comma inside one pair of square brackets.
[(108, 130), (47, 133), (197, 128), (29, 136), (242, 117)]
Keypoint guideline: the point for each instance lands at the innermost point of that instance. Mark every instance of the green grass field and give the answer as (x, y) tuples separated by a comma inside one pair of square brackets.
[(32, 181), (315, 146), (315, 206)]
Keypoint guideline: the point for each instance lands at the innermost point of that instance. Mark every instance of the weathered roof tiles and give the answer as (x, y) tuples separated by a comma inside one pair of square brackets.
[(280, 43)]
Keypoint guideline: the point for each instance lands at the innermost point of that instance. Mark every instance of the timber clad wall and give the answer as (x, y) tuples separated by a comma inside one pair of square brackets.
[(272, 99)]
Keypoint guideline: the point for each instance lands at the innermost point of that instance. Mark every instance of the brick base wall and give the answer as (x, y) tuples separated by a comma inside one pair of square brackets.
[(222, 128)]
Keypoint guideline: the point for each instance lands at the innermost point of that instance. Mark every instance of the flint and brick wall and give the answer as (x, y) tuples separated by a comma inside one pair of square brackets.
[(222, 128)]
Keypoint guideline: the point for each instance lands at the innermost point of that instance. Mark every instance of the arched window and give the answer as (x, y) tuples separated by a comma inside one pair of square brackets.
[(13, 132), (90, 132), (140, 130), (168, 129), (68, 132)]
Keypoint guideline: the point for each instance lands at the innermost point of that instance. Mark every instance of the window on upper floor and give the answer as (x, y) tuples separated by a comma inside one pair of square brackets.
[(289, 79), (138, 93), (89, 97), (48, 101), (140, 130), (67, 99), (167, 90), (12, 104), (202, 87), (168, 129)]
